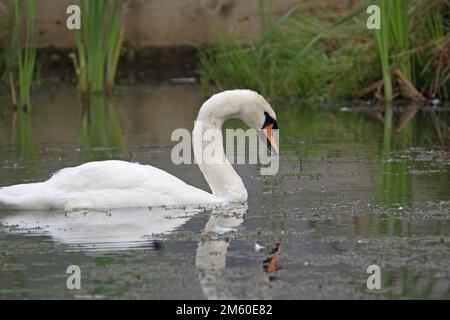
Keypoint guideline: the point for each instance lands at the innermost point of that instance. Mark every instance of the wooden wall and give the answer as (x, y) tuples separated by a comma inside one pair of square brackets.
[(165, 22)]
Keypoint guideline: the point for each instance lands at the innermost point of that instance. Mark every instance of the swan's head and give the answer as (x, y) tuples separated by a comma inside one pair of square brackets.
[(246, 105), (258, 114)]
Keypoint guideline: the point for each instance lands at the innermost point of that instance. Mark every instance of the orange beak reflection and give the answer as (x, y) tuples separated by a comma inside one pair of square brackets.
[(271, 264), (270, 138)]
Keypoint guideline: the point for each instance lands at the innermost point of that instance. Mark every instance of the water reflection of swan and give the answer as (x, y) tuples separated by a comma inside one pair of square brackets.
[(211, 253), (119, 184), (114, 229), (210, 259), (141, 228)]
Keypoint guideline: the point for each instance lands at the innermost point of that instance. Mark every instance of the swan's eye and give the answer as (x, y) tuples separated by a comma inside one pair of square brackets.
[(269, 121)]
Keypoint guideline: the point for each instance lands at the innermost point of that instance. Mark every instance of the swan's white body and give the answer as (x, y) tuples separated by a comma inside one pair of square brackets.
[(105, 184), (120, 184)]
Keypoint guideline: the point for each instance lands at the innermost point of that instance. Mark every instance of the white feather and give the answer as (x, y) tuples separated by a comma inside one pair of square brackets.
[(258, 247)]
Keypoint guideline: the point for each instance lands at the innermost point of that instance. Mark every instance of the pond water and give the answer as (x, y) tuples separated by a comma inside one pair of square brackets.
[(351, 192)]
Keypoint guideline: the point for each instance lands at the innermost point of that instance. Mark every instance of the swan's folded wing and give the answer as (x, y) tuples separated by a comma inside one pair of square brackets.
[(104, 184), (115, 184)]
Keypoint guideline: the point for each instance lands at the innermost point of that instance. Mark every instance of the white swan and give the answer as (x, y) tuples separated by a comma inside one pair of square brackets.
[(121, 184)]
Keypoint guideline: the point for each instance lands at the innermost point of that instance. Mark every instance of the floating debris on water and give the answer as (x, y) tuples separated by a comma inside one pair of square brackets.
[(258, 247)]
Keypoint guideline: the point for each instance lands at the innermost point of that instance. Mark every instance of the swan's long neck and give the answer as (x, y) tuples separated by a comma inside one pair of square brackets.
[(209, 153)]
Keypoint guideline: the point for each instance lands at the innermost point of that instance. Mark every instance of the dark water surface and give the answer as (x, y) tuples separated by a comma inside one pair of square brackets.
[(351, 192)]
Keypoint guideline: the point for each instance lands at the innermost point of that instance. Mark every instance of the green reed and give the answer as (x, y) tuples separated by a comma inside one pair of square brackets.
[(431, 52), (328, 56), (99, 44), (290, 58), (383, 40), (400, 27), (114, 42), (21, 53), (415, 38)]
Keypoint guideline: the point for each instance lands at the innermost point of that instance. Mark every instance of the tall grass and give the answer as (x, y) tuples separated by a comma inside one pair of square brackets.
[(333, 57), (114, 41), (382, 41), (306, 56), (99, 44), (414, 37), (295, 57), (400, 27), (431, 53), (21, 53)]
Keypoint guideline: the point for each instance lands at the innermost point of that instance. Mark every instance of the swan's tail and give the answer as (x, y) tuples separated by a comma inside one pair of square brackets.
[(25, 196)]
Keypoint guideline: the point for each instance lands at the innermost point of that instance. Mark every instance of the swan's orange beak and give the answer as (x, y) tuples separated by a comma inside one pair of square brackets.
[(270, 138)]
